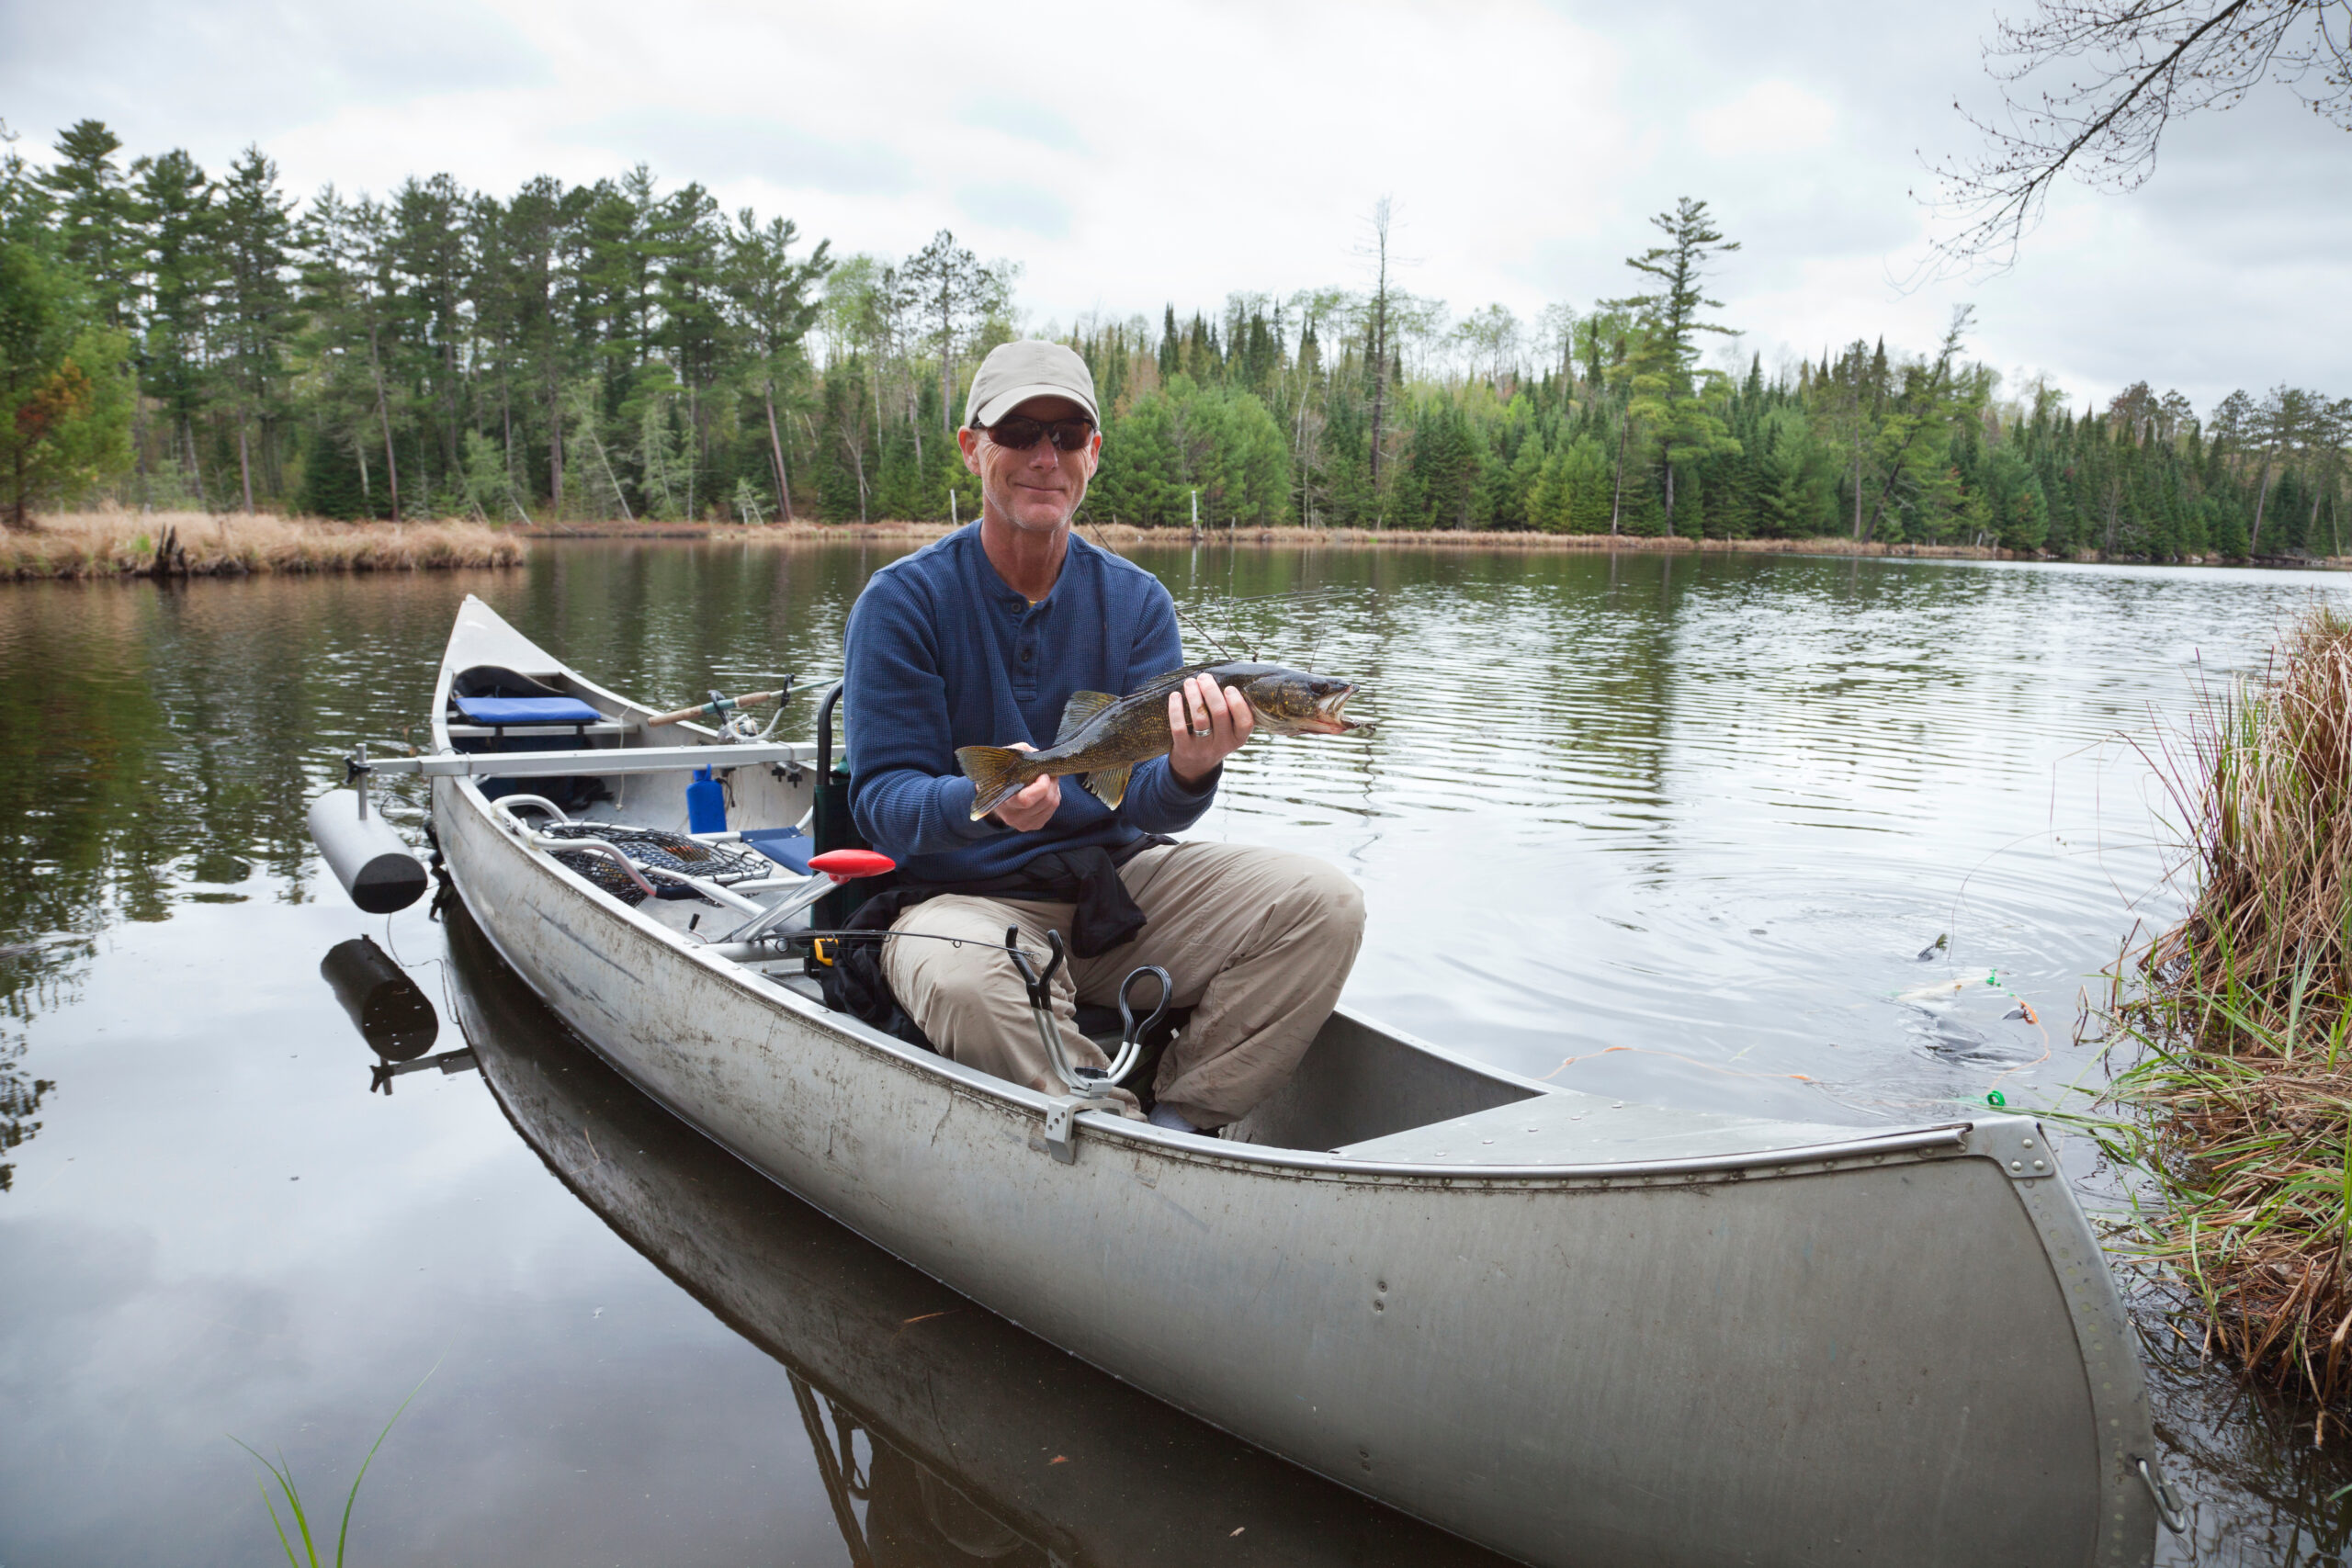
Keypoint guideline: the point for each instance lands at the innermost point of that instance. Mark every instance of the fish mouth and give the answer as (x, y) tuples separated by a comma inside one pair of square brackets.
[(1327, 718)]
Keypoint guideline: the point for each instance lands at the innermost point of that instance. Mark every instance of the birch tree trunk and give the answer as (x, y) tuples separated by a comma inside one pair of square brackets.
[(775, 452), (245, 467), (384, 417)]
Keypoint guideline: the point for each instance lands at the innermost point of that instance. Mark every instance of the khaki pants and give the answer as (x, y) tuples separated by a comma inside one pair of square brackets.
[(1258, 941)]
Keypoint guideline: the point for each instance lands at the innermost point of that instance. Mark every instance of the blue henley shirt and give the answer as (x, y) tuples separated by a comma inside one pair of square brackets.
[(942, 653)]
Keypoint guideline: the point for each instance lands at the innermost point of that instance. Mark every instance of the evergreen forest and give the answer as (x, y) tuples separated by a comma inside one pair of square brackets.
[(178, 337)]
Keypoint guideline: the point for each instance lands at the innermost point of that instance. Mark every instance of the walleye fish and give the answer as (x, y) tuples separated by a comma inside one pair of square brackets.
[(1104, 736)]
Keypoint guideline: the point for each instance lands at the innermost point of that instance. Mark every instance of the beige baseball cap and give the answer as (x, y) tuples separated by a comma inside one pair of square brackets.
[(1030, 367)]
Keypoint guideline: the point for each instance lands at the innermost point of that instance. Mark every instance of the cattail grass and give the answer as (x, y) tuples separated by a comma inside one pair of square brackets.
[(198, 544), (2240, 1095)]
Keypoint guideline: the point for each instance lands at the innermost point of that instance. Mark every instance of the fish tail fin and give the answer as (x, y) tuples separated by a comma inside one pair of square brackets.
[(996, 774)]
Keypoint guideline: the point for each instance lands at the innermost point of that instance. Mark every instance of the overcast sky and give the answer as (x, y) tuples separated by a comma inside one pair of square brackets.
[(1131, 157)]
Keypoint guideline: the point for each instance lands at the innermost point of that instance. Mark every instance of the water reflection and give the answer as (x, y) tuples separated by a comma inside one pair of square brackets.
[(389, 1009), (943, 1434)]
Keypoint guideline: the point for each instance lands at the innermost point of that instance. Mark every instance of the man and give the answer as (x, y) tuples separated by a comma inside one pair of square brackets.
[(980, 639)]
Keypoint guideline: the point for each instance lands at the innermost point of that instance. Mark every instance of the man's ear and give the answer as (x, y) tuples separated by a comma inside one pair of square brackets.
[(967, 441)]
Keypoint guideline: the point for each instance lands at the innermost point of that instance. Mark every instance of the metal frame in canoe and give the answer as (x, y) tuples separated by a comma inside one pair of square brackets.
[(1570, 1329)]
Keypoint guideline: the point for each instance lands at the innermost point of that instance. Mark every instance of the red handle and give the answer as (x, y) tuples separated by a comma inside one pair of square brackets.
[(843, 865)]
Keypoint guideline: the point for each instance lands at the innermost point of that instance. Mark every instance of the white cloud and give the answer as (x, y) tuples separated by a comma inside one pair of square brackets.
[(1771, 116)]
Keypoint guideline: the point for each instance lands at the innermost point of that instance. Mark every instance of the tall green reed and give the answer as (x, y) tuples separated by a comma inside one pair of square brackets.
[(283, 1474)]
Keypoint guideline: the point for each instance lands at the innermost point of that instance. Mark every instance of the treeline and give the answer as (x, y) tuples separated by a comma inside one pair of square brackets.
[(177, 338)]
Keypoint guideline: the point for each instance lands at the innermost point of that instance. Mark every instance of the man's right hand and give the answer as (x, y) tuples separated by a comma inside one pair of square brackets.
[(1034, 806)]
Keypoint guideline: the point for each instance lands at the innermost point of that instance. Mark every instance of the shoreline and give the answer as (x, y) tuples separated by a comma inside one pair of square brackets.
[(195, 544), (895, 532)]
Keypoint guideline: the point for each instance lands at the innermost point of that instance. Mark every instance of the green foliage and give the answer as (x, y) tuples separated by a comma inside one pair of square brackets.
[(624, 349), (333, 485), (64, 397), (1574, 491)]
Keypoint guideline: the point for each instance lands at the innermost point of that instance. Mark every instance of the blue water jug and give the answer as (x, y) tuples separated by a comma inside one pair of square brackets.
[(705, 803)]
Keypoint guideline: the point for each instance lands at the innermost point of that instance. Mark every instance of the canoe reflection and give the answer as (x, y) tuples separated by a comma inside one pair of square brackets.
[(943, 1435)]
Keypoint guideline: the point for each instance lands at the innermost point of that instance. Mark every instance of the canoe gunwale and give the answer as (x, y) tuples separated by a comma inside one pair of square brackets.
[(1873, 1147)]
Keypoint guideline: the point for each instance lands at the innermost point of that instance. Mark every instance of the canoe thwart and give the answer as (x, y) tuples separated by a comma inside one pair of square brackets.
[(599, 761)]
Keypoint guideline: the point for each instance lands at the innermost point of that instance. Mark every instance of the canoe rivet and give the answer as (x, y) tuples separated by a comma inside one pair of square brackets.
[(2019, 1164), (2039, 1166), (2025, 1143), (1381, 1284)]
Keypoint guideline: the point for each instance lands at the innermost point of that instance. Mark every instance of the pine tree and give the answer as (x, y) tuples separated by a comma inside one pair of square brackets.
[(1663, 398)]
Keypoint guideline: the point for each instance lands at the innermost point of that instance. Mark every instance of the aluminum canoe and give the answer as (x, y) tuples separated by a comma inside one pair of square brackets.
[(1571, 1330)]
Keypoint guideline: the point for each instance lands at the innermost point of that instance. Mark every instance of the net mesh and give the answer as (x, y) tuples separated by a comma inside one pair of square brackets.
[(664, 857)]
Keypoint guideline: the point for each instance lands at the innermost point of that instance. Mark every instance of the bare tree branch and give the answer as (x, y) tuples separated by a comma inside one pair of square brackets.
[(2150, 62)]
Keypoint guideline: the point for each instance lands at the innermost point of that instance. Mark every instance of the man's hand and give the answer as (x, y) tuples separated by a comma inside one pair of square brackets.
[(1034, 806), (1206, 724)]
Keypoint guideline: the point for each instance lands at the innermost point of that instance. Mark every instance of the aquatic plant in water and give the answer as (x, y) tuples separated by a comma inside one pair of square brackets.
[(283, 1473), (2237, 1107)]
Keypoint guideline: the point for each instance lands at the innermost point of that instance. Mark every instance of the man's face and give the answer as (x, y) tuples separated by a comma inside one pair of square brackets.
[(1038, 490)]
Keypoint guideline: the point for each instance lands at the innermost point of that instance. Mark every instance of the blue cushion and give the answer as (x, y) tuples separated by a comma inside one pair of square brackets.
[(788, 847), (527, 710)]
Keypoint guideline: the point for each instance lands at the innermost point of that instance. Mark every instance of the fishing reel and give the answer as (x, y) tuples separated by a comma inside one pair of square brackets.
[(734, 725)]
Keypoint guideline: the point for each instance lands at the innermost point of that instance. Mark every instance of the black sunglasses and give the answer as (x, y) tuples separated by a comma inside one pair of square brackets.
[(1019, 432)]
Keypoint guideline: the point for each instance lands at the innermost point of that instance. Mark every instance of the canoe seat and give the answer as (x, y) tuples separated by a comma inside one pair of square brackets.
[(504, 711), (501, 711), (788, 847)]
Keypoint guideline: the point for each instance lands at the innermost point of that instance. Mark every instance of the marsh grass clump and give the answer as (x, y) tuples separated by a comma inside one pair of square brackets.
[(198, 544), (2242, 1086)]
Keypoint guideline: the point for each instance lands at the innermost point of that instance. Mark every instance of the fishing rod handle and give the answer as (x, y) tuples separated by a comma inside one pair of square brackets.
[(715, 708)]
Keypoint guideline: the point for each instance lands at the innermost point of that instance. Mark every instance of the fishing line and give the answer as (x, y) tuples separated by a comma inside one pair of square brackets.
[(393, 948), (1567, 1062), (2025, 1008), (845, 934), (1201, 631)]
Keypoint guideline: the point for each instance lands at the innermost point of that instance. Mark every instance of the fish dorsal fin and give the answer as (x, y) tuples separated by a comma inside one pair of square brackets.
[(1109, 785), (1168, 681), (1081, 708)]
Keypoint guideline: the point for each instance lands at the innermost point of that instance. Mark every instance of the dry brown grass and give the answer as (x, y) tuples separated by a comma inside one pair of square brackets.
[(198, 544), (1320, 538), (2243, 1088)]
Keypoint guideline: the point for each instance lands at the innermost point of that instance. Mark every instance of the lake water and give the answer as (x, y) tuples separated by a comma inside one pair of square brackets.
[(1677, 830)]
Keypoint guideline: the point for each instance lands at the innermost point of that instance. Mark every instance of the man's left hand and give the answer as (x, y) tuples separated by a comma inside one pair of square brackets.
[(1206, 724)]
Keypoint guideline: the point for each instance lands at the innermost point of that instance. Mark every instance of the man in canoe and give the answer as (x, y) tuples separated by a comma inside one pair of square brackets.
[(981, 639)]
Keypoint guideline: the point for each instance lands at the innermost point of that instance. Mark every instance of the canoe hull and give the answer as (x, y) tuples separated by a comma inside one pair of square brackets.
[(1909, 1357)]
